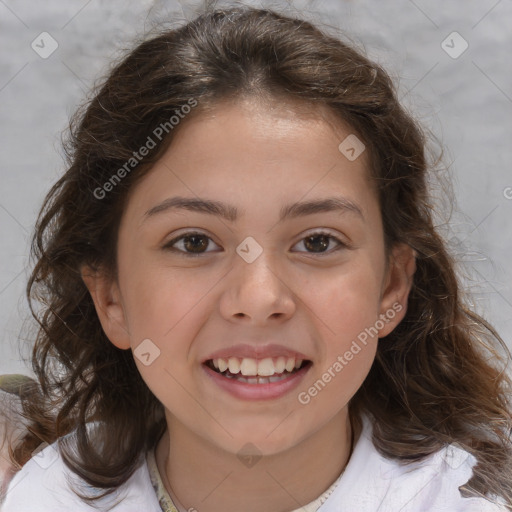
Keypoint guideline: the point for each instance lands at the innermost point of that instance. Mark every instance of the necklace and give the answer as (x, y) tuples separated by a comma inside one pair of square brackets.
[(172, 494)]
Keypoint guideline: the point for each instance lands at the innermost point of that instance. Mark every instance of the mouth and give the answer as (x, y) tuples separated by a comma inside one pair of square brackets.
[(255, 372)]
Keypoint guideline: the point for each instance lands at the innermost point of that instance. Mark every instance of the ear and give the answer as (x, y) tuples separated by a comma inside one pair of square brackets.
[(397, 285), (106, 297)]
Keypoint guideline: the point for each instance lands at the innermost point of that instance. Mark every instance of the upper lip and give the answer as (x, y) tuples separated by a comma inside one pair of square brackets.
[(255, 352)]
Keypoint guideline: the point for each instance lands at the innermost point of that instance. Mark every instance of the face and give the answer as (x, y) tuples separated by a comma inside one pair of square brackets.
[(262, 286)]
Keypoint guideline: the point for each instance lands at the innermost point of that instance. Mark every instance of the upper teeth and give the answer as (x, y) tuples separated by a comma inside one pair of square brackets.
[(262, 367)]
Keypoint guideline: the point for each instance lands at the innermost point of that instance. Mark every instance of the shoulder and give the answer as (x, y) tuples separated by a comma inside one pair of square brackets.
[(46, 484), (372, 482)]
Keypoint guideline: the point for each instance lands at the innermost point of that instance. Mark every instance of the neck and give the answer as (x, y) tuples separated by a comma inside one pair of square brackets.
[(199, 475)]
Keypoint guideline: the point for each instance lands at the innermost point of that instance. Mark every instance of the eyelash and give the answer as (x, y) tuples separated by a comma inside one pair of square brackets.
[(189, 234)]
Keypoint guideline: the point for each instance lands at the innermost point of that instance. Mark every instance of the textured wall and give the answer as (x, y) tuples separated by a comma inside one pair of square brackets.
[(464, 95)]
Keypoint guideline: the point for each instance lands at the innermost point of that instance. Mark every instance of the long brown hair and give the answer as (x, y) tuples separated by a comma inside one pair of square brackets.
[(432, 381)]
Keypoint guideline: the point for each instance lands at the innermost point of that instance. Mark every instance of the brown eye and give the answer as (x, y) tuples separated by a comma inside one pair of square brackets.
[(195, 243), (319, 243), (190, 244)]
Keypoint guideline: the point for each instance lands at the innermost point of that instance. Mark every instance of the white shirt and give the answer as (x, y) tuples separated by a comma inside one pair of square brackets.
[(369, 483)]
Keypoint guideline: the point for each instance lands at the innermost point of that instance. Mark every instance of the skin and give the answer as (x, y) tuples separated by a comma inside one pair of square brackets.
[(256, 157)]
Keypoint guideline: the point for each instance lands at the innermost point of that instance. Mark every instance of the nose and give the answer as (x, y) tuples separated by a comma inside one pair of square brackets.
[(257, 292)]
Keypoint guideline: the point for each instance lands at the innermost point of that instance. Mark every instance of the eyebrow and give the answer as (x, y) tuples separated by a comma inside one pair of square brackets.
[(231, 213)]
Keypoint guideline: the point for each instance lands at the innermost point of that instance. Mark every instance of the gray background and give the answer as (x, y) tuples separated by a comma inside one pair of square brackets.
[(466, 102)]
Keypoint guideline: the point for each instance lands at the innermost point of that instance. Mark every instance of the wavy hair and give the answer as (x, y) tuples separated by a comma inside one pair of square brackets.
[(436, 378)]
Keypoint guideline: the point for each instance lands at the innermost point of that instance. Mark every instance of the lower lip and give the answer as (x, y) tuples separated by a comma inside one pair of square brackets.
[(247, 391)]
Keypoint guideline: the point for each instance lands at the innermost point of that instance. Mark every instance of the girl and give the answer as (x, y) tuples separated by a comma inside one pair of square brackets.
[(247, 306)]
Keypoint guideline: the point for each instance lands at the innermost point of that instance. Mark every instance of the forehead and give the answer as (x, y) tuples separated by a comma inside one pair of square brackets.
[(256, 151), (277, 123)]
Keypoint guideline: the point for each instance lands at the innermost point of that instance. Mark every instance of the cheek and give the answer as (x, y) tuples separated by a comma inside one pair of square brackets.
[(336, 382), (159, 300), (347, 312), (347, 308), (348, 301), (351, 344), (162, 306)]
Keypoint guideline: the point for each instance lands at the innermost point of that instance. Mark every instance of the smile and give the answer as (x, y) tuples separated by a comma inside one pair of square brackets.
[(255, 379)]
